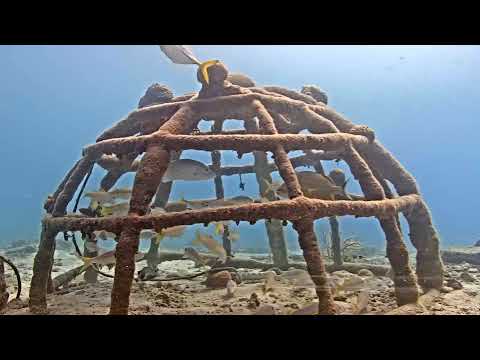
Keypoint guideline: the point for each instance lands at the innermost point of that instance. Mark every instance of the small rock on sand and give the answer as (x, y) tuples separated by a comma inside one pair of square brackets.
[(454, 284), (218, 280), (265, 310), (365, 273), (310, 309), (471, 292), (467, 277), (254, 301)]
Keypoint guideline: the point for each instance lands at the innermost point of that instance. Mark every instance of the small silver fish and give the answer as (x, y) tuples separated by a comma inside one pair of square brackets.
[(107, 258), (121, 194), (214, 203), (180, 54), (314, 186), (99, 197), (187, 170), (120, 209)]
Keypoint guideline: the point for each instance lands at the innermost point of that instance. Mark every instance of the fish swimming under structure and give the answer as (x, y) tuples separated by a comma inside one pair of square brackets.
[(188, 170), (314, 185)]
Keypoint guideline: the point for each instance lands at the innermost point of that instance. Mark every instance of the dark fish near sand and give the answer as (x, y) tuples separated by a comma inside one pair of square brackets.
[(187, 170), (314, 186)]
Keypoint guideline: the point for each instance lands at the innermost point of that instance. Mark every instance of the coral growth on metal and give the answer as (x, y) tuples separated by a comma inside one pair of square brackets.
[(274, 117)]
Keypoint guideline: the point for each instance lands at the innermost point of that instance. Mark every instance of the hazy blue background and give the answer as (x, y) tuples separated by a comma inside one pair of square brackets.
[(422, 101)]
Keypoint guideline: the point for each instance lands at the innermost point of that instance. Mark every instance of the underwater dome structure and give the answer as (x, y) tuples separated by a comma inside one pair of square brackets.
[(273, 119)]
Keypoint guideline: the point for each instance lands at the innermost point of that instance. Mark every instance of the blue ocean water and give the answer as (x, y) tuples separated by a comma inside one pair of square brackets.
[(422, 101)]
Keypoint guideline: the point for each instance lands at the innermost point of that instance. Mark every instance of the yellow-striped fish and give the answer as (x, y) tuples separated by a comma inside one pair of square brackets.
[(171, 232), (210, 243), (182, 54), (120, 209), (220, 226), (204, 69)]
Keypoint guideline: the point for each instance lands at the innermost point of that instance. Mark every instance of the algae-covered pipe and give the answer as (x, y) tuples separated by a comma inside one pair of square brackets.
[(219, 191), (274, 228)]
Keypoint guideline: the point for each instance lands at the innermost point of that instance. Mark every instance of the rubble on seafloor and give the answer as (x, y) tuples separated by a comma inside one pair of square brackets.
[(290, 292)]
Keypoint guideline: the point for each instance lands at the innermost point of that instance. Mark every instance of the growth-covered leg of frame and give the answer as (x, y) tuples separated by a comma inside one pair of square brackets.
[(425, 238), (71, 186), (149, 175), (423, 234), (276, 238), (50, 288), (41, 270), (125, 252), (406, 290), (315, 265), (3, 287)]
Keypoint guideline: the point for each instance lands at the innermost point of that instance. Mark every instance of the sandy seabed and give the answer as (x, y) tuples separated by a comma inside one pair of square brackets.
[(192, 297)]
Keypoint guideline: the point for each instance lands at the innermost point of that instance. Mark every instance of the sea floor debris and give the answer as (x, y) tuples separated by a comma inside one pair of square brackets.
[(290, 294)]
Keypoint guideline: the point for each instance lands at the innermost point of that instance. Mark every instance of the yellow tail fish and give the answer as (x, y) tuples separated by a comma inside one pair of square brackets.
[(204, 69)]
